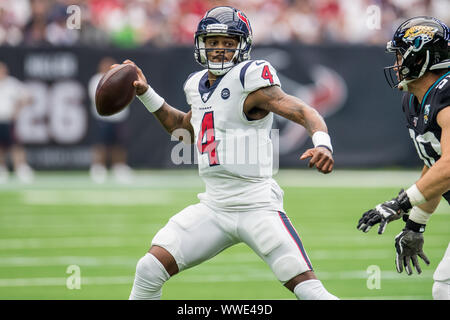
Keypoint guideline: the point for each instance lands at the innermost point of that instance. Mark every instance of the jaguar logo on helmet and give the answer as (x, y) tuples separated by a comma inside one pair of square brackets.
[(420, 45), (419, 35)]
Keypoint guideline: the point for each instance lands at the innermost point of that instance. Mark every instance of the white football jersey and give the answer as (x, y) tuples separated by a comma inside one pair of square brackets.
[(234, 154), (11, 91)]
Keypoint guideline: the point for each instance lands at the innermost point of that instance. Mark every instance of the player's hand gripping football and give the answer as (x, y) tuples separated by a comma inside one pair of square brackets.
[(384, 213), (141, 84), (320, 157), (408, 245)]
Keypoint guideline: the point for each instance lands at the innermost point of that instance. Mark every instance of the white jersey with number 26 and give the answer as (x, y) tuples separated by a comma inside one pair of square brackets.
[(235, 154)]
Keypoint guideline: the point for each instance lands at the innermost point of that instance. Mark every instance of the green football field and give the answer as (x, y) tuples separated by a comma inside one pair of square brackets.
[(63, 237)]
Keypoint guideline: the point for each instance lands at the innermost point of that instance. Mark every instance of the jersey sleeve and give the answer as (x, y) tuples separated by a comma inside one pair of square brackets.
[(258, 74), (442, 95), (187, 86)]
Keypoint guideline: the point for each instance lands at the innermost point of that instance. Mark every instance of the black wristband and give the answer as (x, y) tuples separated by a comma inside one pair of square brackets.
[(414, 226), (403, 201)]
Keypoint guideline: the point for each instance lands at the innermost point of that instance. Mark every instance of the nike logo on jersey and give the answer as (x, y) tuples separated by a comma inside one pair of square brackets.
[(260, 63)]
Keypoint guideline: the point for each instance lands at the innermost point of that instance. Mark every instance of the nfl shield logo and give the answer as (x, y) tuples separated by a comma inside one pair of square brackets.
[(427, 112)]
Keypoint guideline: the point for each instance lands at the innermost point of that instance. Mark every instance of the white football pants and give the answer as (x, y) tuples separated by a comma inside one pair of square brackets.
[(441, 286), (198, 233)]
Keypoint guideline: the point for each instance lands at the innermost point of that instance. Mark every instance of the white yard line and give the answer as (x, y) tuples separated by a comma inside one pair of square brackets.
[(255, 276), (95, 197), (421, 297), (348, 178), (58, 282), (77, 189), (189, 179), (66, 261), (62, 242), (224, 258)]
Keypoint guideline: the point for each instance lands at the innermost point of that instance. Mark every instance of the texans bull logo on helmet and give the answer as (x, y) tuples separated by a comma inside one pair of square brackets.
[(244, 19)]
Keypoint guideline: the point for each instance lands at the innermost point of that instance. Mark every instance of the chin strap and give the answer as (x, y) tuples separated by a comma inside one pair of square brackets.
[(219, 68), (403, 85)]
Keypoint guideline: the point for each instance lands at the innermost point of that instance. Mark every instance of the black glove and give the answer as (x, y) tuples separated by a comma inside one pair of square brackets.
[(385, 212), (409, 244)]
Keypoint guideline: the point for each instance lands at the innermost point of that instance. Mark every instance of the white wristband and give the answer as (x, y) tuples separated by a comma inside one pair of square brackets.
[(151, 100), (419, 216), (415, 196), (320, 138)]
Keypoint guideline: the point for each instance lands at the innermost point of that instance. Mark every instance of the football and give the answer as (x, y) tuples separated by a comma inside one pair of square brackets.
[(115, 90)]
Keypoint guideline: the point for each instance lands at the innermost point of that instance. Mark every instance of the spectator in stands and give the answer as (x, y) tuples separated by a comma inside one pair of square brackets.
[(35, 29), (134, 23), (56, 31)]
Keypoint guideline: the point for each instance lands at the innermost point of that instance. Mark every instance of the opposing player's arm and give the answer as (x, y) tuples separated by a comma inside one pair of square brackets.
[(423, 197), (170, 118), (273, 99), (437, 179), (432, 203)]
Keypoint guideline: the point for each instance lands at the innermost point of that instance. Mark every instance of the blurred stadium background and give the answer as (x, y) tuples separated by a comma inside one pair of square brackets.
[(64, 213)]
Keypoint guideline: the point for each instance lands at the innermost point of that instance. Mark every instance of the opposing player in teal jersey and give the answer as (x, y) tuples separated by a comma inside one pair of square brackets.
[(422, 70)]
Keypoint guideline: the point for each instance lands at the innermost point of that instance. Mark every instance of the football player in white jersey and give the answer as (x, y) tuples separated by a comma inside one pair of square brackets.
[(423, 73), (232, 102)]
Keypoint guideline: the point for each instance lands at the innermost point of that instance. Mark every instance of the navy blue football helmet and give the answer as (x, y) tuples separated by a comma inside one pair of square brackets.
[(223, 21), (421, 44)]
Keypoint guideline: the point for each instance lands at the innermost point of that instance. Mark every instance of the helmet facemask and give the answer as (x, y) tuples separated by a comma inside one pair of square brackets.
[(220, 68), (227, 22), (410, 65)]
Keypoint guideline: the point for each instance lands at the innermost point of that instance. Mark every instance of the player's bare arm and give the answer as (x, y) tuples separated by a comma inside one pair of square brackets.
[(272, 99), (436, 181), (172, 119), (169, 117), (417, 77), (423, 197), (431, 203)]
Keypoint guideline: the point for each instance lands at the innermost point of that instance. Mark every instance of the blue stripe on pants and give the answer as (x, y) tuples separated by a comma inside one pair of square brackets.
[(290, 228)]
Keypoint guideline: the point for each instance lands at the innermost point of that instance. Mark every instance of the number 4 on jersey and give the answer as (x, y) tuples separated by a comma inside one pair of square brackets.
[(266, 74), (209, 146)]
